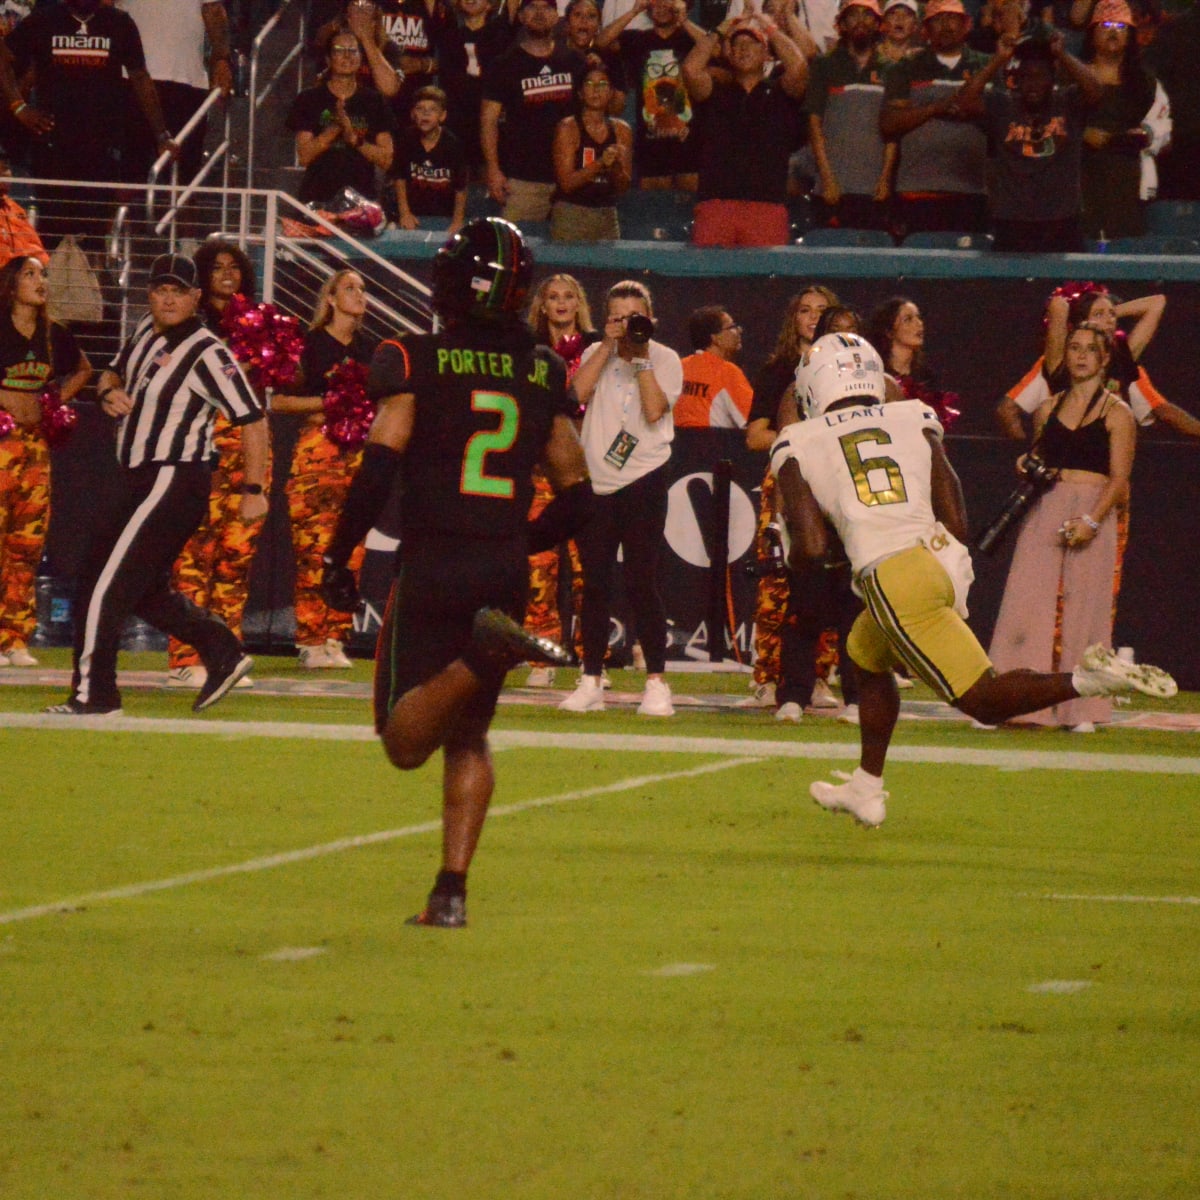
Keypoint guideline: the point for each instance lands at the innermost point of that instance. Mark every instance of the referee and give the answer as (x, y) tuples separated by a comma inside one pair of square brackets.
[(165, 387)]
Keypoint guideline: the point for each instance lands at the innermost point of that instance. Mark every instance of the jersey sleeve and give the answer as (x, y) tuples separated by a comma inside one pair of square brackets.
[(783, 449), (391, 370), (65, 354), (130, 51), (226, 387), (560, 404)]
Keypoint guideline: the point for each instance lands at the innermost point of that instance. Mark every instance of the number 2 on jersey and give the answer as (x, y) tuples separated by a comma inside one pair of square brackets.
[(860, 468), (475, 480)]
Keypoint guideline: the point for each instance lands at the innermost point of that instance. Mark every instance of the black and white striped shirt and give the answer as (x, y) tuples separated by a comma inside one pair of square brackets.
[(178, 381)]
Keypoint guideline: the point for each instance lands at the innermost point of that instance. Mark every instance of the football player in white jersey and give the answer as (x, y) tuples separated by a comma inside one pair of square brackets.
[(879, 473)]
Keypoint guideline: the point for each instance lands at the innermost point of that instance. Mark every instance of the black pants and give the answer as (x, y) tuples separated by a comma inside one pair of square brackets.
[(129, 573), (810, 611), (633, 518)]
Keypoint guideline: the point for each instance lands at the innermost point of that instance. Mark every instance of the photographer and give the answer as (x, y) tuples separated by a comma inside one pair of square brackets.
[(628, 384), (1067, 546)]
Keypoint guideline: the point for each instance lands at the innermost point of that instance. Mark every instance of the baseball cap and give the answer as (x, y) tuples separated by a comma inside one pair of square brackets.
[(870, 5), (911, 5), (935, 8), (750, 29), (1112, 10), (173, 268)]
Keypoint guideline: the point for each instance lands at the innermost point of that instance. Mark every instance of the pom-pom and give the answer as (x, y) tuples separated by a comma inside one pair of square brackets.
[(349, 411), (265, 341), (7, 424), (945, 404), (58, 417)]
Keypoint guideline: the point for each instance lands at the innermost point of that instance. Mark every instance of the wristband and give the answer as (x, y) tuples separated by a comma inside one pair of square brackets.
[(1094, 526), (641, 364)]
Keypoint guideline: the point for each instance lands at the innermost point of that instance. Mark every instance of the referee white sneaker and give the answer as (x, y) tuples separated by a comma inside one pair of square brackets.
[(221, 680), (588, 696), (861, 795), (1102, 673)]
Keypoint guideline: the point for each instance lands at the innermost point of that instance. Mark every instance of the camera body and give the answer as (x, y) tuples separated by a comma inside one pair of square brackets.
[(1039, 478), (639, 329)]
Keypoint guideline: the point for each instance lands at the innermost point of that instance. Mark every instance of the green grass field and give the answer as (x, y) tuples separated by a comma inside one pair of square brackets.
[(681, 979)]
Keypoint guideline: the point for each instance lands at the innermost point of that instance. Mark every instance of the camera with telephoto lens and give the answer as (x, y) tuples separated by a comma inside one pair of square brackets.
[(1039, 478), (639, 329)]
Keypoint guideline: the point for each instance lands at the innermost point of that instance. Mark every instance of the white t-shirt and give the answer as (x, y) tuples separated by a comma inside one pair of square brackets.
[(616, 407), (869, 469), (172, 37)]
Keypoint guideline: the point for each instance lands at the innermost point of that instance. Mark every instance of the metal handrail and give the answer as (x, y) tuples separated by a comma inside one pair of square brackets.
[(256, 100)]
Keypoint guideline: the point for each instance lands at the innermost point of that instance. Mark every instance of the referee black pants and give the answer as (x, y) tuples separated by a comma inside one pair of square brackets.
[(129, 573)]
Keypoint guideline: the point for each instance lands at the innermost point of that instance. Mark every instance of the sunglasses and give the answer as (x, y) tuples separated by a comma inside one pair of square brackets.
[(1113, 25)]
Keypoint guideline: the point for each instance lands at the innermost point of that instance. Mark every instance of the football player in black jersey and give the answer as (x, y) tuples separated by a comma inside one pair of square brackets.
[(464, 415)]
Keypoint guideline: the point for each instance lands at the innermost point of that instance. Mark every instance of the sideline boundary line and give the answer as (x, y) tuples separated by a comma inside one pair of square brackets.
[(285, 858), (508, 739)]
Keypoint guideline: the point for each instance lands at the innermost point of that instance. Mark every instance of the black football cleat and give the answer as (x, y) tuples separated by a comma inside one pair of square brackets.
[(500, 639), (220, 680), (443, 912)]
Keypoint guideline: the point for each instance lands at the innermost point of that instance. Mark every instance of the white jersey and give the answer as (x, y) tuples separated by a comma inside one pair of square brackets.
[(869, 469)]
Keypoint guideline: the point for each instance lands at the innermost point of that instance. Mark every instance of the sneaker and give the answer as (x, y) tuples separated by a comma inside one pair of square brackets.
[(588, 696), (656, 700), (763, 696), (823, 697), (982, 725), (220, 680), (502, 640), (1102, 673), (335, 655), (605, 682), (193, 677), (860, 795), (19, 656), (246, 681), (1084, 727), (314, 658), (902, 681), (849, 715), (3, 659), (76, 708), (637, 659), (540, 677), (791, 711), (444, 912)]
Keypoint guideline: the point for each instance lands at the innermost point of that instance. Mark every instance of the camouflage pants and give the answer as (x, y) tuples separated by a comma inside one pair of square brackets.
[(24, 516)]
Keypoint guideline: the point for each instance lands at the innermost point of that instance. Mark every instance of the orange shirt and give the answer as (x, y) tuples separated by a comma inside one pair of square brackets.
[(716, 395), (18, 239)]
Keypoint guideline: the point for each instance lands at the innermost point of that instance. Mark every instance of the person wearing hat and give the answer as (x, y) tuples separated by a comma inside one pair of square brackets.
[(164, 389), (845, 94), (1035, 129), (941, 182), (901, 31), (751, 124)]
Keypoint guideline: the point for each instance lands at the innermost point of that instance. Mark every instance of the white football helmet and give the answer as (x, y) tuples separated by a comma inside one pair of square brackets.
[(838, 366)]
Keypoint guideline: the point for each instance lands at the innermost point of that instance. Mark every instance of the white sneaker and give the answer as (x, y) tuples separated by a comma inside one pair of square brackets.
[(861, 795), (1084, 727), (540, 677), (902, 681), (823, 697), (763, 696), (3, 660), (588, 696), (982, 725), (19, 656), (335, 655), (849, 715), (605, 682), (656, 700), (246, 681), (1102, 673), (314, 658), (193, 677), (791, 711), (637, 659)]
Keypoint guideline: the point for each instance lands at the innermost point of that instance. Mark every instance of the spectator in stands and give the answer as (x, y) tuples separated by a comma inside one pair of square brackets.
[(901, 31), (378, 66), (78, 124), (35, 352), (174, 33), (343, 130), (429, 167), (941, 180), (486, 32), (322, 468), (579, 28), (1115, 136), (593, 163), (629, 384), (17, 234), (531, 87), (1173, 58), (751, 124), (666, 149), (845, 94), (1035, 130), (716, 395), (1014, 19), (213, 570)]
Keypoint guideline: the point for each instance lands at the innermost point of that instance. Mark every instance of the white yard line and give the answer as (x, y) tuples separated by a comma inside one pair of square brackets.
[(270, 861), (1123, 899)]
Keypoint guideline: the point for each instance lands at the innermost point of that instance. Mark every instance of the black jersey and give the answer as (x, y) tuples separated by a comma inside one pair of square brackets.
[(485, 402)]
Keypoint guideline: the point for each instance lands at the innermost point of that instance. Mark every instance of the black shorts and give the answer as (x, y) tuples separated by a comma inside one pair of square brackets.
[(430, 610)]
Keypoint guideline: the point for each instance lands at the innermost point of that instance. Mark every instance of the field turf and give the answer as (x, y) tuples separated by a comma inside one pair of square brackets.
[(681, 979)]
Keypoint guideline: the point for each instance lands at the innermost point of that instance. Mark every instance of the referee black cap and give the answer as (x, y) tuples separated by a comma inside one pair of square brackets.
[(173, 268)]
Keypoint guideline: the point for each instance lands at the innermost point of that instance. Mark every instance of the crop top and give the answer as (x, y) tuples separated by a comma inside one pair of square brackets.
[(1082, 449)]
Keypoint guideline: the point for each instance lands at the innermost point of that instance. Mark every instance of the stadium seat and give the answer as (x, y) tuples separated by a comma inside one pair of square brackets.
[(1181, 217), (865, 239), (1151, 243), (947, 239)]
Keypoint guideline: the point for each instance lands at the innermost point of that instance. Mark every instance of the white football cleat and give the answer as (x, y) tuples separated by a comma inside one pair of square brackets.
[(861, 795), (1103, 673)]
